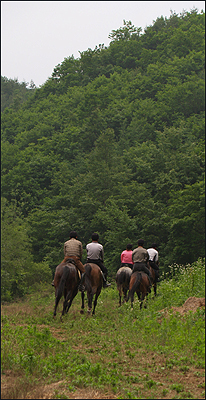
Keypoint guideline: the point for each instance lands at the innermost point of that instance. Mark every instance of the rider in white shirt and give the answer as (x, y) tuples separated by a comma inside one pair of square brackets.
[(154, 259)]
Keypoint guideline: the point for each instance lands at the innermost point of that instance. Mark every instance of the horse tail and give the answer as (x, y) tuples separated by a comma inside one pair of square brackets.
[(62, 282), (121, 278), (87, 280), (135, 285)]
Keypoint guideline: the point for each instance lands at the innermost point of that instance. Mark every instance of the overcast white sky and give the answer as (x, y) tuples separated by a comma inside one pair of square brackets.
[(38, 35)]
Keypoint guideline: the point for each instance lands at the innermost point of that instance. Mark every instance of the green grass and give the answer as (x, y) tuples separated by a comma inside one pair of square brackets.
[(127, 354)]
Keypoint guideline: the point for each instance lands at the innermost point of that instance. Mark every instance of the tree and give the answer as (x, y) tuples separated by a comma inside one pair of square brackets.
[(125, 32), (18, 270), (186, 224)]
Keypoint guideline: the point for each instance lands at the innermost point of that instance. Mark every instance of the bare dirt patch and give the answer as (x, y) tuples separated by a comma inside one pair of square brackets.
[(191, 304)]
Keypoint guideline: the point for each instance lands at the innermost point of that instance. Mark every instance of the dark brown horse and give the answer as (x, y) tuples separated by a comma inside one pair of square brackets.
[(66, 281), (93, 281), (139, 283), (122, 280)]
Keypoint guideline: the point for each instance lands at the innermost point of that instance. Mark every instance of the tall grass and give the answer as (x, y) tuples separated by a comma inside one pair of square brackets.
[(124, 353)]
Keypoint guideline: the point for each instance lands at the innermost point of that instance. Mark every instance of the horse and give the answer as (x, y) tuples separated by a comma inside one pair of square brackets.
[(122, 280), (139, 283), (66, 280), (93, 282)]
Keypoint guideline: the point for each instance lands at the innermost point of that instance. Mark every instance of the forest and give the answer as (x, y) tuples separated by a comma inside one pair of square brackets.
[(112, 142)]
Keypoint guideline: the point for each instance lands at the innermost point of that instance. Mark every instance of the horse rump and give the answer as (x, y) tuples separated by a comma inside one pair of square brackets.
[(123, 275), (62, 282), (93, 276), (87, 279), (122, 280), (93, 284)]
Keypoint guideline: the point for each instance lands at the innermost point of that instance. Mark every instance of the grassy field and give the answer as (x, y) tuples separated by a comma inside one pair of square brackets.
[(155, 353)]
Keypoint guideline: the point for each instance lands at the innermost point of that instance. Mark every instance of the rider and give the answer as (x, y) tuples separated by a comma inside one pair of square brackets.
[(73, 249), (154, 260), (140, 256), (95, 255), (126, 257)]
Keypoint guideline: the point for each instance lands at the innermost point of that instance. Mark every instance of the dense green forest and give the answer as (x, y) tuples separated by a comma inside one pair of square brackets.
[(113, 142), (14, 93)]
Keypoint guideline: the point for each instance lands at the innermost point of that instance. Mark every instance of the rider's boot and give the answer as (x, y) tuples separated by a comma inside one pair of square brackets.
[(105, 283), (81, 285)]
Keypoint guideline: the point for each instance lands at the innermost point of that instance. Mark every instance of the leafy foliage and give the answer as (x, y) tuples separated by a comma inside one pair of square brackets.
[(18, 271), (13, 93)]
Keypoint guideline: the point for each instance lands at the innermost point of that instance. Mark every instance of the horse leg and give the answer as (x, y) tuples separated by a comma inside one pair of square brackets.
[(72, 298), (141, 299), (95, 300), (120, 300), (65, 305), (90, 298), (95, 303), (120, 297), (144, 297), (125, 295), (82, 308), (55, 308), (155, 288), (58, 297), (132, 300)]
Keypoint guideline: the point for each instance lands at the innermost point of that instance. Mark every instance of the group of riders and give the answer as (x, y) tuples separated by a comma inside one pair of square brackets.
[(138, 259)]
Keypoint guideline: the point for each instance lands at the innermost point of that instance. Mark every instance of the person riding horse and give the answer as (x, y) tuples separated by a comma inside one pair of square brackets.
[(126, 257), (154, 260), (95, 255), (73, 248), (140, 258)]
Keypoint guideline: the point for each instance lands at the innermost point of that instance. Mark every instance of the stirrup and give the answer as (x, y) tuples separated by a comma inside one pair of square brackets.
[(106, 284)]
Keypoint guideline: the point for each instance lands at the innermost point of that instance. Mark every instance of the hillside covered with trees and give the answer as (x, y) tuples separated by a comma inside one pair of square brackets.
[(14, 93), (113, 142)]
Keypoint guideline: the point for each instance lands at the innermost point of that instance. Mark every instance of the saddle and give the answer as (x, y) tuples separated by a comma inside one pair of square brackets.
[(71, 261)]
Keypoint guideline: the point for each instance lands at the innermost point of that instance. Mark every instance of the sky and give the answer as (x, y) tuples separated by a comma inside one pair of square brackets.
[(36, 36)]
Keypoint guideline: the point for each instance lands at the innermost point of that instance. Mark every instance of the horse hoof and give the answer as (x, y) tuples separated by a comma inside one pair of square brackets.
[(81, 311)]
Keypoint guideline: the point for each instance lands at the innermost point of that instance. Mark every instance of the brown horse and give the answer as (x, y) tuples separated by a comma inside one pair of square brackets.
[(93, 281), (139, 283), (122, 280), (66, 280)]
